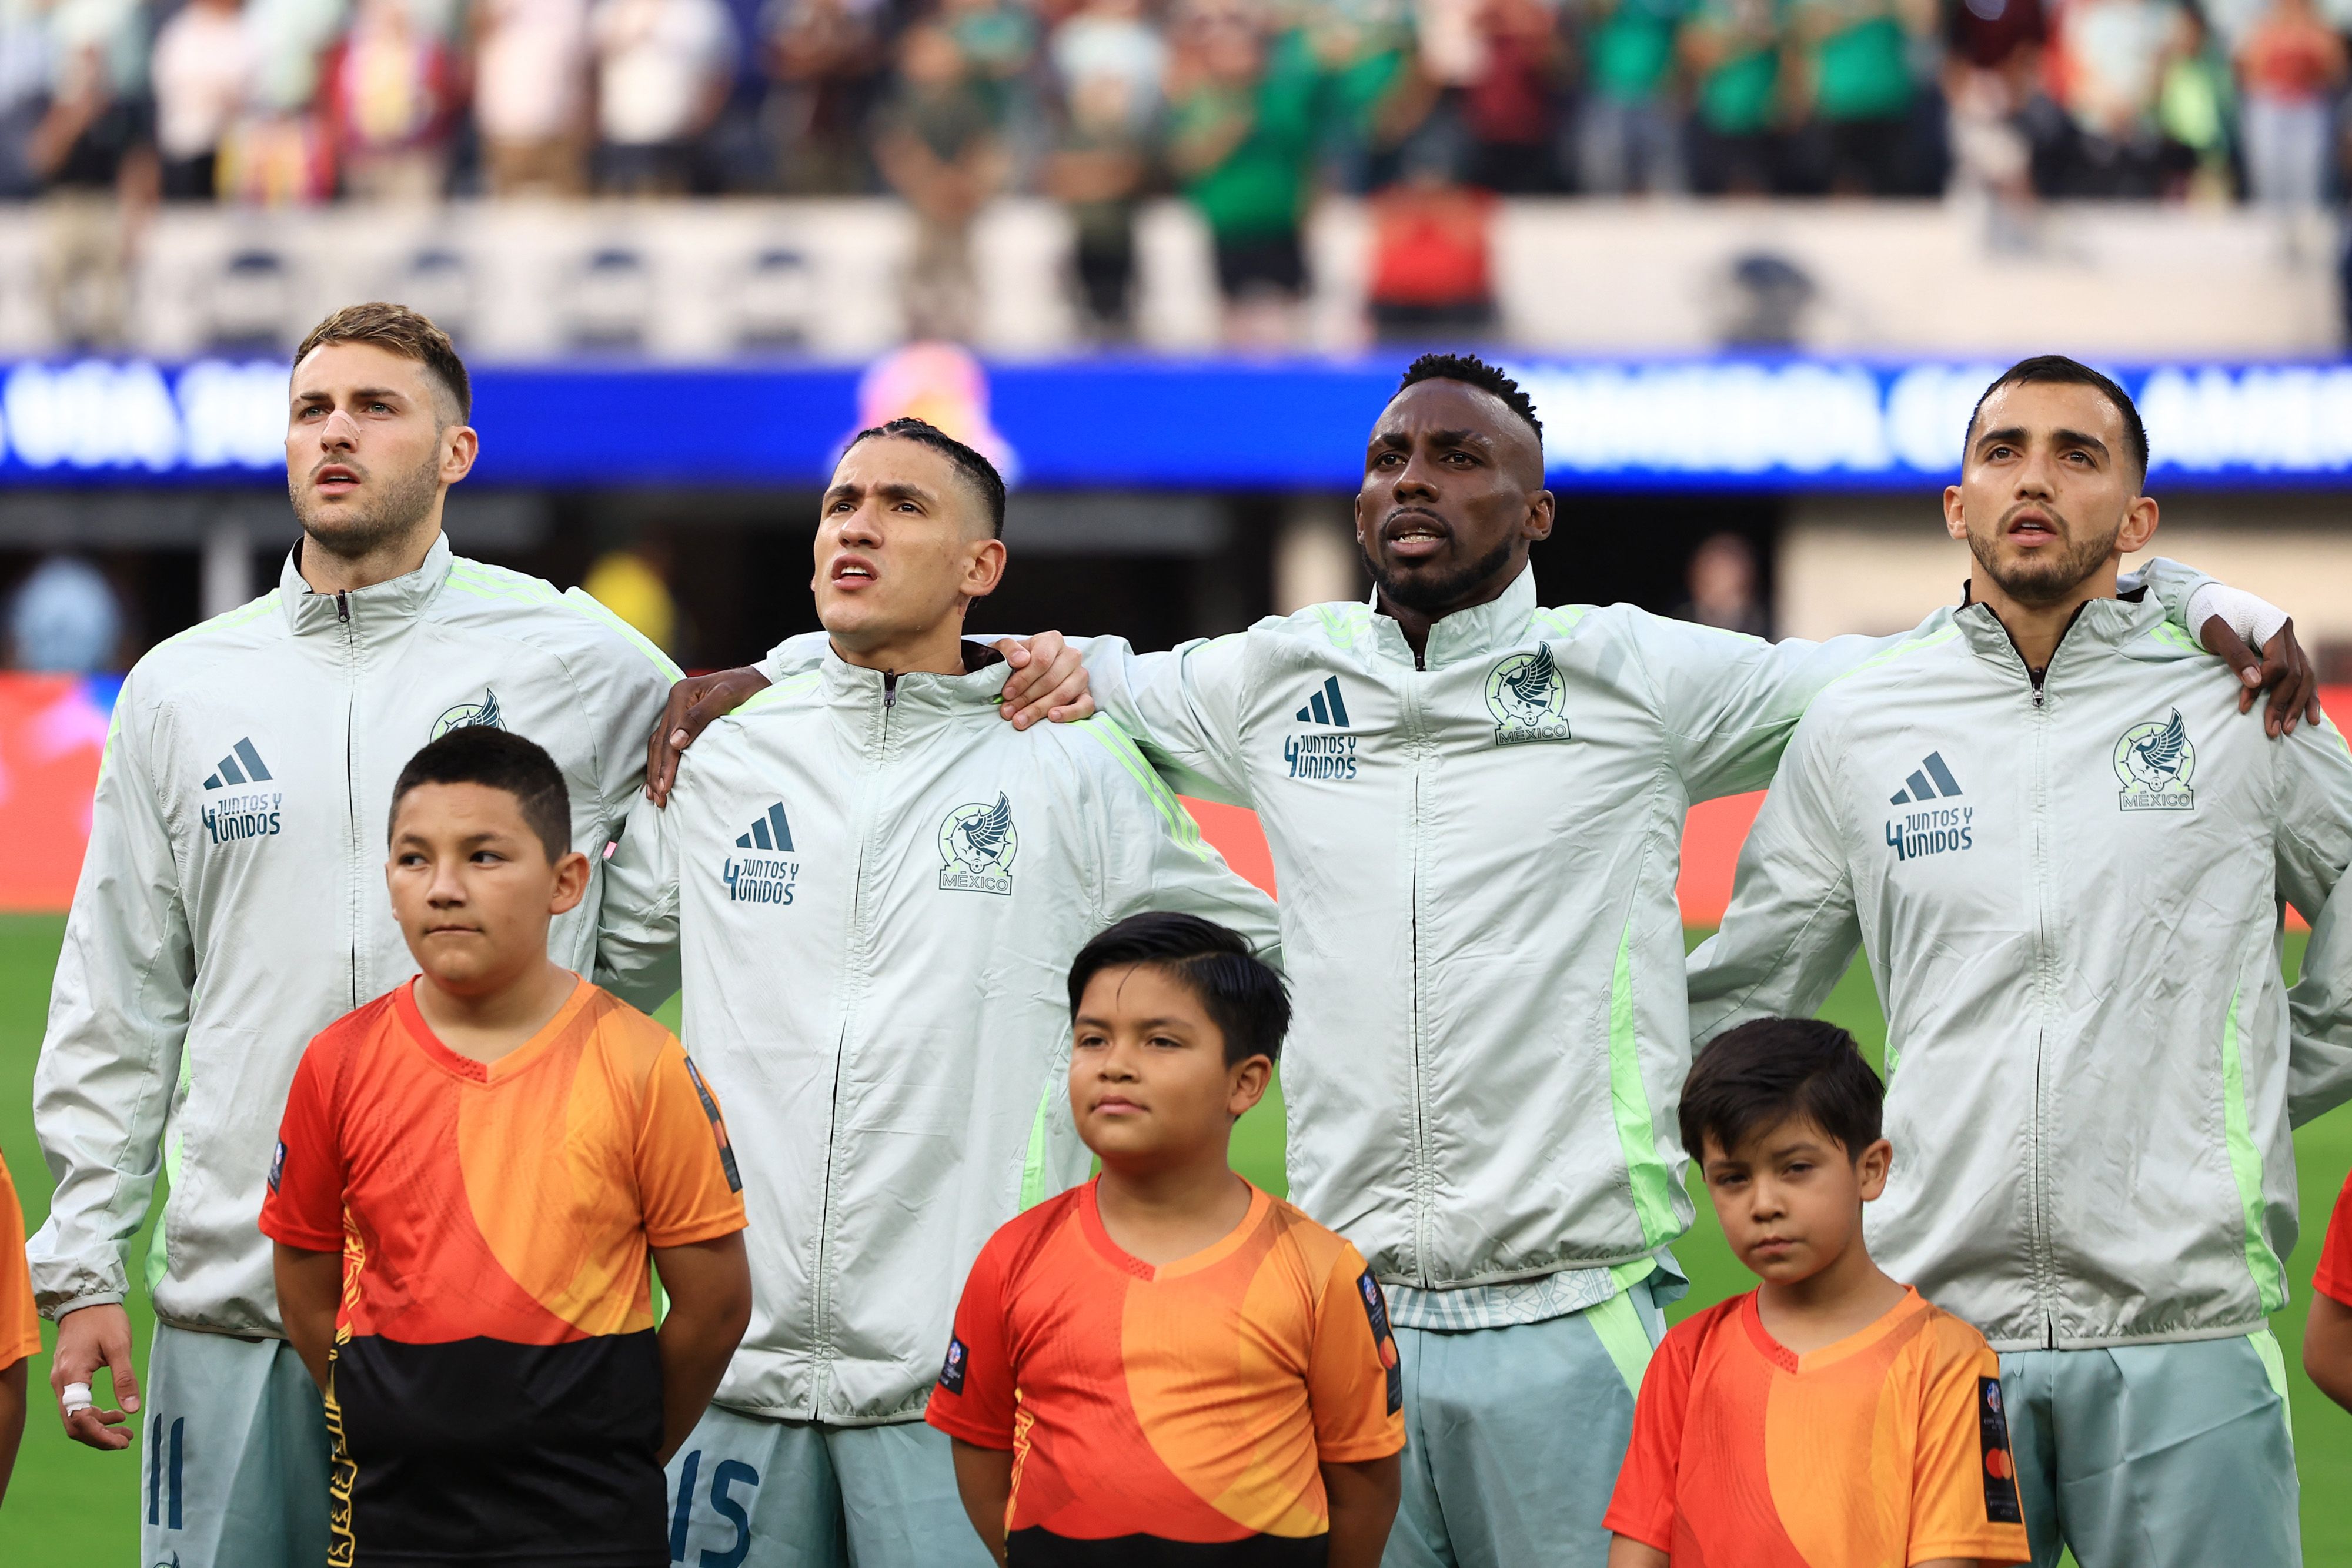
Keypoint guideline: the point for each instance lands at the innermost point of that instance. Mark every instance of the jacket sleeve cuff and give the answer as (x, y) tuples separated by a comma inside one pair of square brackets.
[(55, 1309)]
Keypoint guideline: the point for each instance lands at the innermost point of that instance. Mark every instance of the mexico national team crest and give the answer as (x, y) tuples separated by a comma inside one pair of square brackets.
[(2154, 761), (483, 715), (977, 843), (1528, 698)]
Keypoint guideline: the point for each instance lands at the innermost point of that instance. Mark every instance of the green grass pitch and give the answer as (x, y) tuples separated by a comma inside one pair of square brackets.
[(69, 1505)]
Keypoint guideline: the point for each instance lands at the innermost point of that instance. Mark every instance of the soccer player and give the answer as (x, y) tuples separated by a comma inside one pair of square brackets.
[(1166, 1365), (502, 1143), (229, 909), (874, 888), (2065, 858), (2327, 1331), (1475, 806), (1829, 1417), (20, 1329)]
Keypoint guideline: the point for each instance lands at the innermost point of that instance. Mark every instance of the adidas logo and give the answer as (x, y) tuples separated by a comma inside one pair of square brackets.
[(1929, 781), (769, 833), (229, 773), (1325, 706)]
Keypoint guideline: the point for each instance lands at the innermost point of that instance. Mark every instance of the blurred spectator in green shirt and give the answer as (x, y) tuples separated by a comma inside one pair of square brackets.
[(1241, 137), (1628, 137), (1859, 91), (1733, 49)]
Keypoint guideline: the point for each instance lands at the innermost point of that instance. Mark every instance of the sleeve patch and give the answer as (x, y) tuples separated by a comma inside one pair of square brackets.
[(718, 1126), (1376, 1310), (952, 1371), (277, 1166), (2000, 1466)]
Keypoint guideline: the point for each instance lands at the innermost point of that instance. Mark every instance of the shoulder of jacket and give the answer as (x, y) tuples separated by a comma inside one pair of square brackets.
[(799, 690), (567, 624), (1343, 625), (1895, 668), (253, 624)]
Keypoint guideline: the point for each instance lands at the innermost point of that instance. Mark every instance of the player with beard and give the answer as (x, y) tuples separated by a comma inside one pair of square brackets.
[(231, 906), (1475, 806), (2065, 858)]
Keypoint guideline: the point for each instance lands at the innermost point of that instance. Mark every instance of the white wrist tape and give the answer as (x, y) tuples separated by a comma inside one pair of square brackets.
[(76, 1397), (2255, 619)]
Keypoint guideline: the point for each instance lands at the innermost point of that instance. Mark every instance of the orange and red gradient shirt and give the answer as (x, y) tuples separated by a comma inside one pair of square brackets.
[(20, 1325), (1889, 1447), (2332, 1279), (496, 1381), (1195, 1401)]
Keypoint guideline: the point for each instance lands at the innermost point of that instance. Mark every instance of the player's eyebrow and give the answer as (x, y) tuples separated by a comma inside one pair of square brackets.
[(2018, 436), (888, 490), (359, 394), (1104, 1024)]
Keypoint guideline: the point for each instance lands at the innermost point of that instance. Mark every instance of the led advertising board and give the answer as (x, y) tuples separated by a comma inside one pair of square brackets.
[(1732, 423)]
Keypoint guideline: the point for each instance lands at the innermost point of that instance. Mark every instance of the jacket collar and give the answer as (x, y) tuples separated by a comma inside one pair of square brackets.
[(374, 610), (978, 689), (2097, 624), (1474, 633)]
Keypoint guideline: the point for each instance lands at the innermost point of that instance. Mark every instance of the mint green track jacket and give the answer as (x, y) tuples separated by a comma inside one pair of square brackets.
[(232, 904), (1477, 856), (2070, 897), (877, 891)]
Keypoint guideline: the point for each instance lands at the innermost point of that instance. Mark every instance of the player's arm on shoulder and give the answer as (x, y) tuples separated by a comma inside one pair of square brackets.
[(2312, 839), (1183, 708), (637, 951), (1727, 702), (2254, 639), (1792, 926)]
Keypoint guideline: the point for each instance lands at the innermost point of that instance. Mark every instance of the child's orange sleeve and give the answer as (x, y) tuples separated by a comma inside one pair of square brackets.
[(20, 1325), (689, 1184), (304, 1204), (1355, 1387), (1642, 1507), (1964, 1497), (974, 1397)]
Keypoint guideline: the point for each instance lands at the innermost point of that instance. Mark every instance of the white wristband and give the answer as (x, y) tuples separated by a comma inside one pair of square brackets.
[(76, 1397), (2257, 621)]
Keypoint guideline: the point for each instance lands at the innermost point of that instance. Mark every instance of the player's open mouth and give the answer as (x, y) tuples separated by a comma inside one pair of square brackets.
[(2031, 526), (851, 568), (335, 479), (1412, 533)]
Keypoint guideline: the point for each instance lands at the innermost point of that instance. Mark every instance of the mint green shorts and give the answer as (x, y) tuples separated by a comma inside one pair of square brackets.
[(233, 1455), (1514, 1436), (2156, 1456), (748, 1493)]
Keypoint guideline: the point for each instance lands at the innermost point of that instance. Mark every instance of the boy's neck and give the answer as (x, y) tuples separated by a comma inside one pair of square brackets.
[(488, 1025), (1164, 1212), (1848, 1296)]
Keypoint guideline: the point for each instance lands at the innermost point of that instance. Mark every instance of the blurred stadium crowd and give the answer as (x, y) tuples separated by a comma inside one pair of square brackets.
[(1245, 105)]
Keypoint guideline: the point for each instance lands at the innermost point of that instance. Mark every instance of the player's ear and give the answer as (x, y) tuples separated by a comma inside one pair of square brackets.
[(1246, 1081), (984, 568), (1872, 1165), (571, 882), (2139, 526)]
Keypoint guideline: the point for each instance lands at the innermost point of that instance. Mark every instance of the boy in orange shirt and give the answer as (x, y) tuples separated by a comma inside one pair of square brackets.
[(471, 1173), (1167, 1366), (1831, 1417), (20, 1329)]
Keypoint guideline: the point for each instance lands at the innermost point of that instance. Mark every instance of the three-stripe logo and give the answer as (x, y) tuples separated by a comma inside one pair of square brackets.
[(770, 832), (230, 772), (1326, 706), (1930, 780)]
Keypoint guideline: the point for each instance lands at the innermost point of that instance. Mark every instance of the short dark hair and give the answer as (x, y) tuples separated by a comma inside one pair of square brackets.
[(974, 467), (2059, 369), (1477, 373), (403, 331), (1244, 997), (496, 759), (1764, 1073)]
